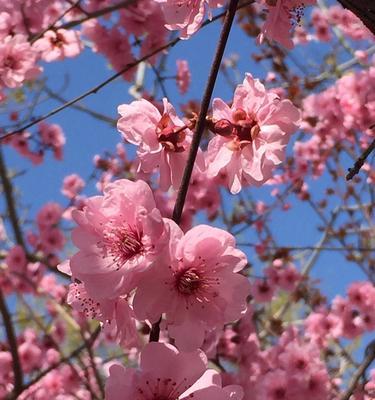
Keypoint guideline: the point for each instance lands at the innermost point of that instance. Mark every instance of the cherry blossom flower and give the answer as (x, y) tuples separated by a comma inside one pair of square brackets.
[(49, 215), (119, 235), (17, 61), (52, 136), (282, 16), (16, 259), (199, 290), (166, 373), (251, 135), (72, 185), (187, 15), (116, 315), (56, 45), (163, 140)]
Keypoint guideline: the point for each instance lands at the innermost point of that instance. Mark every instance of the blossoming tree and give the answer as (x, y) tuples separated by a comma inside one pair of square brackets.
[(192, 262)]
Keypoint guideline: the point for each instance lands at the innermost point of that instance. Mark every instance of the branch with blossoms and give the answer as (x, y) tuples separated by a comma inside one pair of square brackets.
[(217, 245)]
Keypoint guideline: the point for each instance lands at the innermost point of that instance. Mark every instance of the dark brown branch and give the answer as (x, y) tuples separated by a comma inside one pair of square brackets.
[(13, 348), (369, 358), (361, 160), (10, 202), (181, 196), (80, 107), (95, 89)]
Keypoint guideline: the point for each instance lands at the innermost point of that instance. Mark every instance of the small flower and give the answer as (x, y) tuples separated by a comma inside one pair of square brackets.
[(163, 140)]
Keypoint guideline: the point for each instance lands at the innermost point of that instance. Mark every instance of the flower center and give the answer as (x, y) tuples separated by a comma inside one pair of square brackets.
[(58, 41), (169, 135), (245, 126), (243, 130), (188, 282), (123, 243), (10, 62)]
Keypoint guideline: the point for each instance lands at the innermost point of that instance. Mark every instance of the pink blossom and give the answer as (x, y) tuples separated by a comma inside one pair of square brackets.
[(282, 16), (199, 290), (119, 235), (114, 44), (5, 24), (163, 140), (262, 290), (16, 259), (56, 45), (251, 135), (30, 356), (49, 215), (274, 386), (72, 185), (183, 77), (187, 15), (52, 136), (116, 315), (51, 240), (17, 61), (166, 373)]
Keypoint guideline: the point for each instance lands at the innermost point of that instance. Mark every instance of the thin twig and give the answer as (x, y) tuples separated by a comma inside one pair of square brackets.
[(80, 107), (12, 341), (361, 160), (10, 202), (369, 358)]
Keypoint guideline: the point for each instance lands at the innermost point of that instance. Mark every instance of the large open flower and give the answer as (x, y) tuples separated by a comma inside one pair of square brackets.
[(251, 135), (119, 235), (200, 289), (166, 374)]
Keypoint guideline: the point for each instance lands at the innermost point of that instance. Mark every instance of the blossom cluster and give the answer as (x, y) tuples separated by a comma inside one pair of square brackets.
[(250, 137)]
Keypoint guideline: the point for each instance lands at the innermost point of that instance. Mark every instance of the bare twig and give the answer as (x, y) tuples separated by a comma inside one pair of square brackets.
[(12, 341), (361, 160), (369, 358), (10, 202)]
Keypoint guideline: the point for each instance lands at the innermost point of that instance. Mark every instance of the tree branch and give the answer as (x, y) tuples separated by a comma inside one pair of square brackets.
[(369, 358), (10, 202), (13, 348), (361, 160)]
